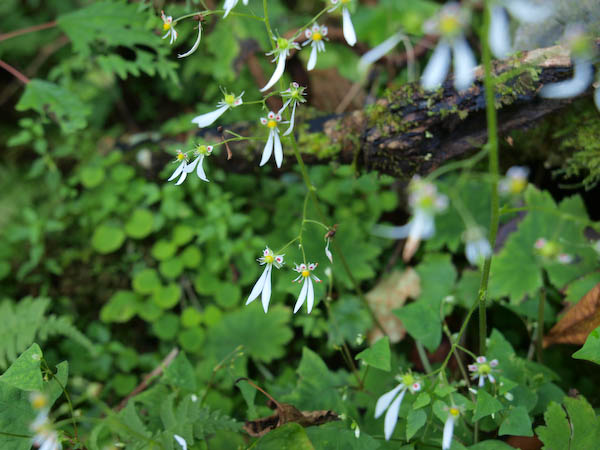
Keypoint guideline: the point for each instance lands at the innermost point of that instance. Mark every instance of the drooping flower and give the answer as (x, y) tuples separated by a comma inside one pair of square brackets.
[(196, 43), (181, 441), (347, 26), (328, 252), (185, 167), (522, 10), (514, 182), (583, 71), (229, 101), (230, 4), (280, 54), (307, 293), (425, 202), (263, 285), (169, 27), (45, 436), (477, 246), (181, 172), (483, 369), (392, 400), (273, 144), (293, 95), (315, 37), (449, 25), (453, 415), (201, 152), (552, 251)]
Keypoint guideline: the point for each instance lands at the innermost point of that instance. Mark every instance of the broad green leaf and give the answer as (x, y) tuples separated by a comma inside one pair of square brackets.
[(140, 224), (437, 275), (423, 399), (16, 414), (338, 436), (422, 323), (180, 374), (556, 433), (491, 445), (585, 425), (351, 318), (107, 238), (166, 296), (228, 295), (486, 405), (191, 257), (182, 234), (516, 423), (378, 355), (578, 288), (25, 372), (591, 348), (415, 420), (166, 326), (192, 339), (171, 268), (290, 436), (163, 249), (145, 281), (92, 176), (121, 307)]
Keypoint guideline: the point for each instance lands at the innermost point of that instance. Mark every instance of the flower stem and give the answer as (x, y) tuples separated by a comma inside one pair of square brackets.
[(12, 34), (14, 72)]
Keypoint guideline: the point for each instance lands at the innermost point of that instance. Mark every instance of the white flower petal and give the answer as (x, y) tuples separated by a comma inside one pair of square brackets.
[(196, 44), (381, 50), (328, 252), (422, 225), (448, 432), (278, 71), (437, 67), (200, 169), (207, 119), (390, 232), (481, 380), (582, 77), (391, 417), (312, 61), (268, 150), (291, 127), (189, 168), (385, 400), (597, 97), (310, 299), (258, 287), (266, 292), (278, 149), (464, 64), (525, 11), (301, 297), (348, 28), (178, 171), (229, 5), (180, 441), (500, 33)]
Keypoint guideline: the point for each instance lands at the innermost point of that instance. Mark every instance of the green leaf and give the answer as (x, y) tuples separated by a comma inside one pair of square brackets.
[(337, 436), (92, 176), (415, 420), (591, 348), (423, 399), (166, 326), (191, 257), (437, 274), (422, 323), (140, 224), (145, 281), (516, 423), (556, 433), (228, 295), (378, 355), (171, 268), (25, 372), (45, 97), (121, 307), (167, 296), (192, 339), (585, 426), (290, 436), (163, 250), (180, 374), (182, 234), (107, 238), (486, 405)]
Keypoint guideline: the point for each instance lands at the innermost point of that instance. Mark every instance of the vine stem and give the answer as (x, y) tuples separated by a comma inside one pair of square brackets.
[(14, 72), (492, 145), (12, 34)]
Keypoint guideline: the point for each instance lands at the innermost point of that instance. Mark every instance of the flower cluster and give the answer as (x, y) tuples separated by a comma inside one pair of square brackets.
[(185, 167), (552, 251), (482, 369), (392, 400)]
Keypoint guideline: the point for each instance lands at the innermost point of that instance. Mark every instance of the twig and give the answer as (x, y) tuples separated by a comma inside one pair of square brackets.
[(16, 33), (14, 72)]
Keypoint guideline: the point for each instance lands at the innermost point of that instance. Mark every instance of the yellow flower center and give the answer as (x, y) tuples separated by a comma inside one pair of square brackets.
[(180, 156), (449, 25), (166, 26), (454, 412), (317, 36), (345, 2), (305, 273), (269, 259), (39, 401), (271, 123), (485, 369), (518, 185), (229, 99)]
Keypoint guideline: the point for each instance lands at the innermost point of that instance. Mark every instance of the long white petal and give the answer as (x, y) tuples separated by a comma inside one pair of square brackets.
[(245, 2), (500, 33), (312, 61), (196, 44), (464, 64), (525, 11), (391, 417), (381, 50), (384, 401), (291, 127), (310, 299), (187, 169), (349, 33), (268, 150), (180, 441), (437, 67), (207, 119), (302, 296), (278, 149), (266, 292), (448, 432), (390, 232), (422, 225), (582, 77), (200, 169), (278, 71), (285, 105), (178, 171), (258, 287), (597, 97), (228, 6)]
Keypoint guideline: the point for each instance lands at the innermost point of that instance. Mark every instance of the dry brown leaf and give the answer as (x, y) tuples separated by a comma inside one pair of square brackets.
[(579, 321), (389, 294)]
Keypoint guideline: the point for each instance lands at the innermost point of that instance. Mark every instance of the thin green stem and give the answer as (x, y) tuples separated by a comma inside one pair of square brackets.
[(423, 356), (67, 396), (540, 324), (268, 24), (216, 11)]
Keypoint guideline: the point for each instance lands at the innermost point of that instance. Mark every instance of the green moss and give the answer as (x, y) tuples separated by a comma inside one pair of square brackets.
[(317, 144)]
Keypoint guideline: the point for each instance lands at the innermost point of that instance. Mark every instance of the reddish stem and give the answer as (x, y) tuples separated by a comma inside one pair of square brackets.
[(16, 33), (14, 72)]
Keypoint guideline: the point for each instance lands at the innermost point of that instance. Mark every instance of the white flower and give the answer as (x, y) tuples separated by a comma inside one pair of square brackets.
[(583, 70), (294, 95), (280, 54), (453, 414), (307, 292), (381, 50), (273, 142), (181, 171), (46, 437), (328, 252), (181, 441), (449, 25), (522, 10), (564, 258), (263, 285), (483, 369), (514, 182), (196, 44), (425, 202), (229, 101), (230, 4), (315, 37), (169, 27), (408, 383), (185, 167), (348, 28), (551, 250), (477, 246)]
